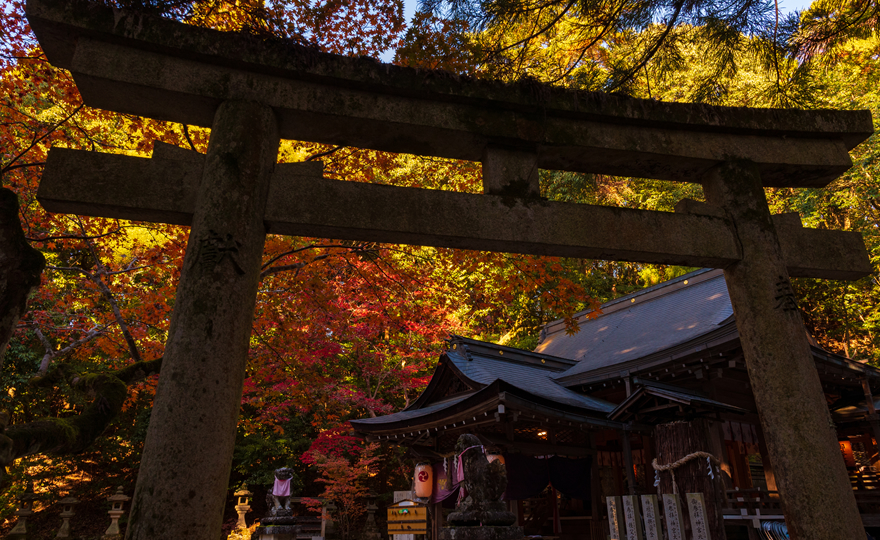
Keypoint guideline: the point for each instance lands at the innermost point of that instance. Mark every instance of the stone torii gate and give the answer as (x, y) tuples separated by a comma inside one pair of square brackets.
[(253, 92)]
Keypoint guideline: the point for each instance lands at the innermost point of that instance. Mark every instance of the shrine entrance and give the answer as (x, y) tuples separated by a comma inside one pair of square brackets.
[(252, 93)]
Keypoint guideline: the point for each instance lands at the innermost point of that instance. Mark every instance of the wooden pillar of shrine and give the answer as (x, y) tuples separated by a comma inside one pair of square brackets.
[(799, 432), (769, 473), (597, 523), (629, 472), (873, 417)]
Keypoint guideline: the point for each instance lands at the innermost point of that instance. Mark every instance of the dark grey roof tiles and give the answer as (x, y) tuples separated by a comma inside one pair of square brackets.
[(671, 315), (485, 369), (411, 413)]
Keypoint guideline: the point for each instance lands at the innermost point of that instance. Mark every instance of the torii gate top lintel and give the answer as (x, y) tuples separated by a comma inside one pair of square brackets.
[(146, 65)]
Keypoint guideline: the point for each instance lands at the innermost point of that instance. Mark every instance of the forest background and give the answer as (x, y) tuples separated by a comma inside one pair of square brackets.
[(346, 330)]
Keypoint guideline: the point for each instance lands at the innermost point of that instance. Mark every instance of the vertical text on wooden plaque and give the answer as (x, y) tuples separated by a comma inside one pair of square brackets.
[(651, 514), (697, 510), (673, 517), (632, 517), (614, 517)]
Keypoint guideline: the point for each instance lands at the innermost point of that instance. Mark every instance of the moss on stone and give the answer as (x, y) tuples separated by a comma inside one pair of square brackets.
[(60, 436)]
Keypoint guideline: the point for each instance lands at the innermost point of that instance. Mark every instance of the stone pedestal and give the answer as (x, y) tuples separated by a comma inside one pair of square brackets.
[(482, 533), (67, 504), (117, 500), (20, 530), (371, 531), (477, 513), (481, 515), (281, 526), (25, 510), (242, 507)]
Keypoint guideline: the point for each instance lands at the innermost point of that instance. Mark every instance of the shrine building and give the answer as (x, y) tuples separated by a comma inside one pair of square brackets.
[(658, 373)]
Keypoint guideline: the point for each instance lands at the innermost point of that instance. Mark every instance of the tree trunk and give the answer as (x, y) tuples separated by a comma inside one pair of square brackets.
[(71, 435), (20, 268), (677, 440)]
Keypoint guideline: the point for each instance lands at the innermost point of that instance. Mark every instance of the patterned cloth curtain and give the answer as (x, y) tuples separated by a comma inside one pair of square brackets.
[(444, 485)]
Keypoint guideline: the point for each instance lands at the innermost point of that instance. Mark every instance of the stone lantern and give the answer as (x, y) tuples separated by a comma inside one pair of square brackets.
[(328, 528), (243, 506), (371, 531), (117, 500), (25, 509), (67, 504)]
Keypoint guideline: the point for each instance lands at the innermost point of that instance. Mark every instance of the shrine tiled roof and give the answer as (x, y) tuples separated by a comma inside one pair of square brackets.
[(644, 323), (412, 413), (672, 394), (493, 374), (686, 314), (475, 361), (473, 406)]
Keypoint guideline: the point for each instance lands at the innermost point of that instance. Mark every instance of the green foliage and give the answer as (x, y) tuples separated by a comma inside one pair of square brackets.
[(259, 453)]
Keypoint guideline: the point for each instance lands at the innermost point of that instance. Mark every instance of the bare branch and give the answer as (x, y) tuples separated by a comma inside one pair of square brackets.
[(74, 236), (22, 165), (324, 154), (52, 354), (36, 141), (188, 138), (297, 250)]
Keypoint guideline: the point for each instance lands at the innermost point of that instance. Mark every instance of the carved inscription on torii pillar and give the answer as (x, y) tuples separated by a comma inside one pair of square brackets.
[(253, 92)]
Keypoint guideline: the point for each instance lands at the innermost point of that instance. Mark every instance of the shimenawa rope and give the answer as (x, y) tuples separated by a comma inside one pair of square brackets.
[(672, 466)]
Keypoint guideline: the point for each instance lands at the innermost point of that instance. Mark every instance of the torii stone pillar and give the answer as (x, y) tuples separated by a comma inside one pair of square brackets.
[(192, 429), (781, 370)]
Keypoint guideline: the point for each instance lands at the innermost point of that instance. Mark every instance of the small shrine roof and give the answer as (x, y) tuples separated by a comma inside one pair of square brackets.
[(475, 408), (483, 363), (649, 391)]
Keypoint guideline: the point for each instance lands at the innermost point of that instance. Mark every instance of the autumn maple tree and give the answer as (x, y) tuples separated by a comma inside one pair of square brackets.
[(342, 329)]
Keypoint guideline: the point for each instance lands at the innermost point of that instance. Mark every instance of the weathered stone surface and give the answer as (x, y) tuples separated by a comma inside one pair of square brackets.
[(161, 190), (184, 472), (511, 173), (276, 532), (481, 533), (800, 435), (162, 69), (484, 484), (302, 203)]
